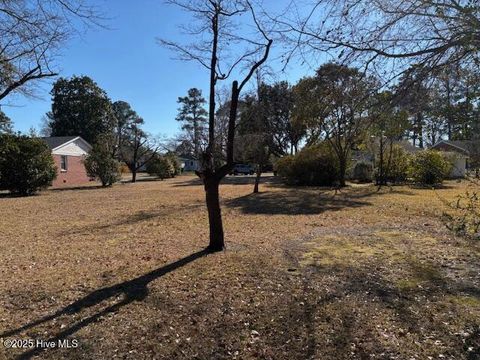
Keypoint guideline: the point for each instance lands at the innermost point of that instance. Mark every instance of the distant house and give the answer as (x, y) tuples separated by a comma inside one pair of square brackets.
[(188, 163), (367, 156), (68, 152), (466, 155)]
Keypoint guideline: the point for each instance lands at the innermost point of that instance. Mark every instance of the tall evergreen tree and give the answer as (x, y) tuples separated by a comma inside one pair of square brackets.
[(414, 97), (193, 117), (80, 107), (125, 118)]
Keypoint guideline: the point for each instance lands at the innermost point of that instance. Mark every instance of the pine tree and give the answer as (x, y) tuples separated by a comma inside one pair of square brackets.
[(193, 117)]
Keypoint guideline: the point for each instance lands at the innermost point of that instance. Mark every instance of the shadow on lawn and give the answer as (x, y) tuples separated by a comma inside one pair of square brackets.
[(295, 202), (234, 180), (132, 290), (138, 217), (366, 309), (81, 188)]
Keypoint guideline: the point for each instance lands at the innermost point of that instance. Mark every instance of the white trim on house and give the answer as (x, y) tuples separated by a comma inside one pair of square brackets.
[(74, 147)]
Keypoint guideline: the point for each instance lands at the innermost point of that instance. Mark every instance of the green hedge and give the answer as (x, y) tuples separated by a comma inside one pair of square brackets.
[(313, 166)]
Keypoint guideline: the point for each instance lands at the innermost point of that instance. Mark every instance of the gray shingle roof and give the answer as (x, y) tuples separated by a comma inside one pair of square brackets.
[(471, 147), (56, 141)]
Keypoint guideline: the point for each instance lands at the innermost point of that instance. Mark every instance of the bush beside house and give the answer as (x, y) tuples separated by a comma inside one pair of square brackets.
[(100, 164), (429, 167), (26, 164), (175, 161), (317, 166), (163, 166), (312, 166)]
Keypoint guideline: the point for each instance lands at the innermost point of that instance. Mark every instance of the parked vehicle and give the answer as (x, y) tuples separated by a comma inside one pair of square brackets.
[(243, 169)]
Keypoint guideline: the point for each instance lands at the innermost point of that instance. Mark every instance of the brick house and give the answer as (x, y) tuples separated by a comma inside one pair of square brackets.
[(68, 152)]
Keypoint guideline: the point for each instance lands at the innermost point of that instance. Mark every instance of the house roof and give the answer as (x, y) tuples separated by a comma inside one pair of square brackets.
[(468, 147), (54, 142), (186, 157)]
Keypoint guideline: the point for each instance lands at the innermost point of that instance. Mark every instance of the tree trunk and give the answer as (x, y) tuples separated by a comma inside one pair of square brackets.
[(257, 179), (449, 111), (134, 175), (342, 172), (381, 181), (389, 161), (217, 242), (420, 129)]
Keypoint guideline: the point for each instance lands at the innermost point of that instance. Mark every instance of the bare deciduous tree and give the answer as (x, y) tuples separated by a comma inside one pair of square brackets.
[(138, 148), (31, 33), (224, 52), (394, 33)]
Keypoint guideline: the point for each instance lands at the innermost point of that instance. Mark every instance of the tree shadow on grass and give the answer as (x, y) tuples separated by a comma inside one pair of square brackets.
[(133, 219), (293, 203), (234, 180), (132, 290), (81, 188), (364, 303)]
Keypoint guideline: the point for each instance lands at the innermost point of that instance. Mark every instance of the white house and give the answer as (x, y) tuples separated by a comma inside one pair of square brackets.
[(188, 163), (461, 153)]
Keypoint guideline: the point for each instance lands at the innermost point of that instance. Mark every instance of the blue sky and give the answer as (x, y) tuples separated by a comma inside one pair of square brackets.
[(126, 61)]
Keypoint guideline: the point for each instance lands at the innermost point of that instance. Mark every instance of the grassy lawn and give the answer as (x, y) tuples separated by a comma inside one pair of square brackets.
[(308, 274)]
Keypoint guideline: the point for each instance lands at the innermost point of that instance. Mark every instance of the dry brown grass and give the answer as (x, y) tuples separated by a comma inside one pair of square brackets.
[(308, 274)]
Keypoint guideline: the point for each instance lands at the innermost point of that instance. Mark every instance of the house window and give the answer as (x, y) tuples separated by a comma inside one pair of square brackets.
[(64, 162)]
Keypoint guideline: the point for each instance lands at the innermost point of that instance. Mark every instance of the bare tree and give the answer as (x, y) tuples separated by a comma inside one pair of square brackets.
[(219, 54), (138, 148), (31, 33), (394, 33)]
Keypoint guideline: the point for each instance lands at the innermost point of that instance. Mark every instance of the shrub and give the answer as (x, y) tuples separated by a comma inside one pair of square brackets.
[(363, 172), (429, 167), (100, 164), (463, 216), (161, 166), (175, 162), (396, 165), (26, 164), (313, 166), (284, 167)]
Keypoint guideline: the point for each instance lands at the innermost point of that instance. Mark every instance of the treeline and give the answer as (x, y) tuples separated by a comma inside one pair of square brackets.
[(343, 110)]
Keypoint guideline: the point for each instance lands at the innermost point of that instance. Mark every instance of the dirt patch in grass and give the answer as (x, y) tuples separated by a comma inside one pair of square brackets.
[(308, 274)]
